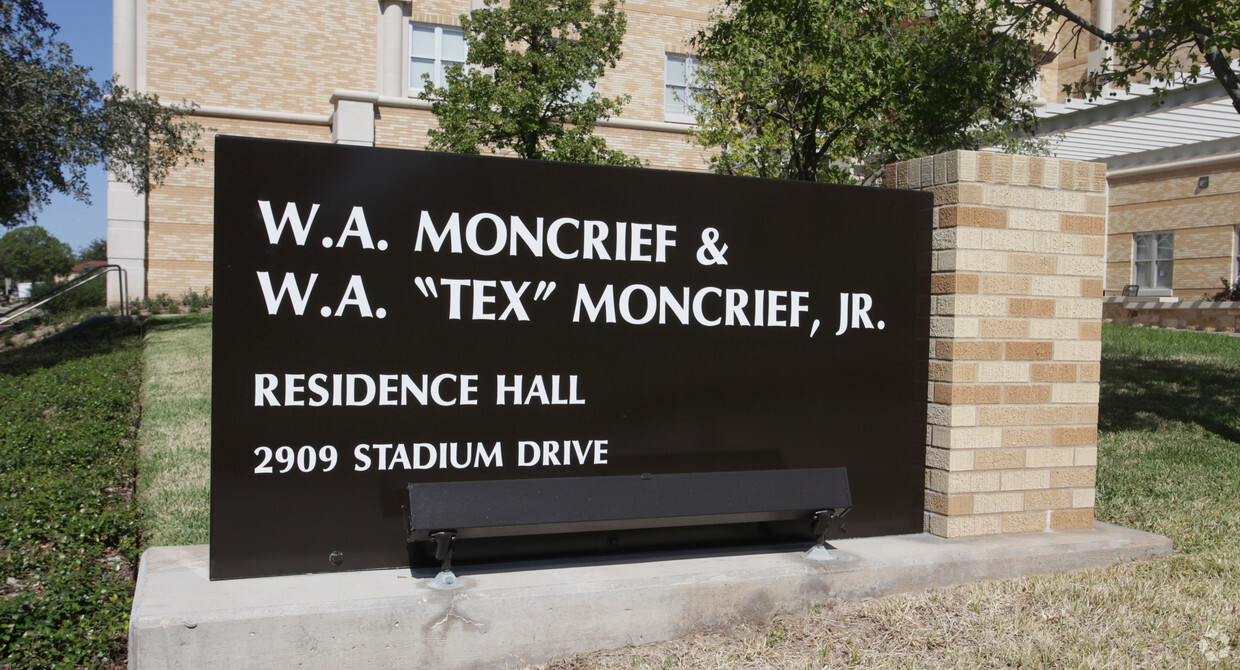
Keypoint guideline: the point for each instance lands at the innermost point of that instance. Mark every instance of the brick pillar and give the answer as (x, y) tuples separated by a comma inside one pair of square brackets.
[(1015, 328)]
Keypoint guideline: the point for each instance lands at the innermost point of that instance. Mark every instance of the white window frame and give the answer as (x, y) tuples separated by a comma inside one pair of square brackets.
[(437, 62), (1156, 263), (692, 63)]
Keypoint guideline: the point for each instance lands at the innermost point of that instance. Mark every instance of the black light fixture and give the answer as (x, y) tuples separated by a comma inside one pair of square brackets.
[(1202, 182)]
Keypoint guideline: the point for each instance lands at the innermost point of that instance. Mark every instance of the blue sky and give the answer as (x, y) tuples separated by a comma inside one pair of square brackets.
[(86, 25)]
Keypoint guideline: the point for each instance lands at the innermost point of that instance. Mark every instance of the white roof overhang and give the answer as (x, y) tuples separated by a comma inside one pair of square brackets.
[(1138, 127)]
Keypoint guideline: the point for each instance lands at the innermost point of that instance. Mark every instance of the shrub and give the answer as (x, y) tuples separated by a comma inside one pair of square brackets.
[(1230, 292), (90, 296), (164, 304), (196, 301), (67, 415), (160, 304)]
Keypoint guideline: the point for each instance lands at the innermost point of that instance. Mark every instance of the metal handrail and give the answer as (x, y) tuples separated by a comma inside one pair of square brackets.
[(94, 273)]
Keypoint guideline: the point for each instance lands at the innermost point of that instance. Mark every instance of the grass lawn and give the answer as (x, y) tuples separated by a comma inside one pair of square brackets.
[(174, 445), (1169, 462)]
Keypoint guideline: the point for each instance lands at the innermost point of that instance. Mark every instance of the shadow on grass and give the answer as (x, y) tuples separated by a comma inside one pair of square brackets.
[(78, 342), (175, 323), (95, 336), (1139, 393)]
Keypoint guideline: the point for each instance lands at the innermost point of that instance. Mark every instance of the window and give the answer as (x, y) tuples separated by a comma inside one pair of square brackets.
[(585, 89), (680, 79), (1152, 259), (432, 49)]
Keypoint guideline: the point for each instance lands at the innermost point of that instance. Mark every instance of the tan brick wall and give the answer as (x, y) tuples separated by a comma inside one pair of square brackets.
[(1015, 331), (1070, 59), (655, 28), (403, 128), (273, 55), (1203, 220), (288, 57), (180, 214), (663, 150)]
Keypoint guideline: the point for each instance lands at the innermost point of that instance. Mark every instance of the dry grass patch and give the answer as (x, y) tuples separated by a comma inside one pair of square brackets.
[(1129, 616), (174, 445)]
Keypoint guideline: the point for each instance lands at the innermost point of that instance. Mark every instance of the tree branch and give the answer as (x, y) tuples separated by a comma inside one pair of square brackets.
[(1221, 66), (1114, 38)]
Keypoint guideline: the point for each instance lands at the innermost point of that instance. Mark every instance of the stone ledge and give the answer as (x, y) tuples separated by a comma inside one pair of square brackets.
[(1218, 317), (1154, 303), (507, 616)]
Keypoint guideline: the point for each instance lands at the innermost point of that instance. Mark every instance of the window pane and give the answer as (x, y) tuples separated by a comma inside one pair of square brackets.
[(453, 45), (419, 67), (1164, 274), (1142, 273), (1143, 252), (1166, 246), (691, 71), (689, 97), (422, 42), (585, 90), (675, 71), (672, 101)]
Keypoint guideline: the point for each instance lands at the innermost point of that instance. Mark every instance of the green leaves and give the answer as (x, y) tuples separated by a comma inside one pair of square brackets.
[(33, 254), (1154, 41), (143, 140), (830, 90), (69, 537), (47, 108), (529, 88), (56, 121)]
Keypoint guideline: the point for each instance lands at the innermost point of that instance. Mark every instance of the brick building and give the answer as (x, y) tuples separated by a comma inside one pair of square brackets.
[(1174, 176), (1012, 433), (1173, 168), (343, 71), (349, 70)]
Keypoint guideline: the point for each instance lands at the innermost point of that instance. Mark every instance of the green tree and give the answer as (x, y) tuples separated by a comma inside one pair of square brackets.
[(95, 250), (529, 86), (1160, 40), (31, 253), (827, 90), (56, 121)]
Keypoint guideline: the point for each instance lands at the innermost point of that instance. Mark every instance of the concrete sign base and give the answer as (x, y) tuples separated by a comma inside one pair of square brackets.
[(532, 612)]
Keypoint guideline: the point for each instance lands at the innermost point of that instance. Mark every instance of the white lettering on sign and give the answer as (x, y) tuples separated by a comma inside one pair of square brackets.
[(291, 216), (709, 306), (290, 286), (454, 455), (535, 392), (566, 238), (485, 235), (568, 452), (358, 390), (861, 304), (427, 456)]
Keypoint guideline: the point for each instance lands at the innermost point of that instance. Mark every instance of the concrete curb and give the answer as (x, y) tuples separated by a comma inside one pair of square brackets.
[(507, 618)]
